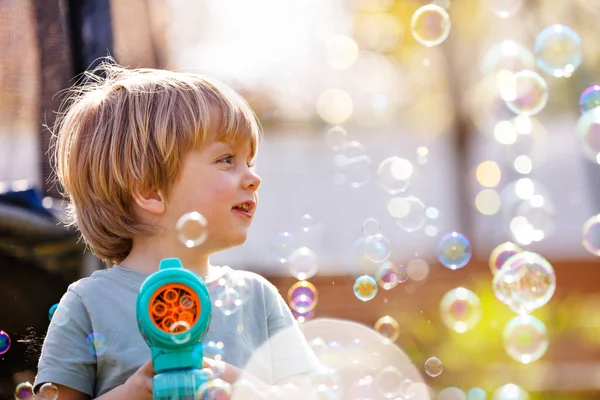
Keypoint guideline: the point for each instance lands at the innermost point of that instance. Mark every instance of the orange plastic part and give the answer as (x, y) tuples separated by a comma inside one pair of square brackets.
[(174, 308)]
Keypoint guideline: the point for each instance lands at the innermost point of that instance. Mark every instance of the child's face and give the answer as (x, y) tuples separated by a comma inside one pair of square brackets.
[(214, 180)]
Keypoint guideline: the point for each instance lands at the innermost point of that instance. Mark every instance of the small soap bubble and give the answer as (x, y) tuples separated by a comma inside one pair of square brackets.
[(365, 288), (526, 93), (525, 282), (430, 25), (433, 367), (48, 391), (302, 264), (307, 223), (505, 57), (388, 327), (460, 309), (591, 235), (454, 250), (354, 164), (214, 389), (52, 311), (336, 138), (394, 174), (61, 315), (505, 8), (243, 288), (558, 51), (501, 253), (387, 382), (588, 134), (24, 391), (303, 297), (283, 246), (5, 342), (525, 338), (96, 343), (228, 301), (213, 350), (408, 211), (590, 99), (389, 275), (191, 229), (371, 227)]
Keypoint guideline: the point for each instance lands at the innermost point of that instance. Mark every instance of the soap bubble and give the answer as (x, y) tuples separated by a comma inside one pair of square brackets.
[(527, 93), (501, 253), (365, 288), (302, 264), (375, 367), (433, 367), (525, 338), (354, 164), (228, 301), (371, 227), (430, 25), (590, 99), (52, 311), (558, 50), (388, 327), (389, 275), (216, 389), (283, 246), (591, 235), (48, 391), (506, 56), (24, 391), (394, 174), (588, 133), (460, 309), (387, 382), (454, 250), (303, 297), (336, 138), (96, 343), (408, 211), (525, 282), (191, 229), (5, 342)]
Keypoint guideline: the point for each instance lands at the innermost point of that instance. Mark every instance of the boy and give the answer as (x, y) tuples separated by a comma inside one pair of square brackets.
[(135, 151)]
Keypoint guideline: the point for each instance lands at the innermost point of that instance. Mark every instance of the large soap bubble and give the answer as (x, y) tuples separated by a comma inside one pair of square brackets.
[(364, 363)]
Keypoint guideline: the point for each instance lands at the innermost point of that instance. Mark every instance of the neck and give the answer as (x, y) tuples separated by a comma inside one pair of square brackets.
[(145, 256)]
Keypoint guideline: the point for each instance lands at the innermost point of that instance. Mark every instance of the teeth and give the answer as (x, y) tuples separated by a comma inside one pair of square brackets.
[(244, 206)]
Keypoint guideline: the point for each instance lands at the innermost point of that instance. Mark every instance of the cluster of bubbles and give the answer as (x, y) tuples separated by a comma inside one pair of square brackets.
[(524, 281)]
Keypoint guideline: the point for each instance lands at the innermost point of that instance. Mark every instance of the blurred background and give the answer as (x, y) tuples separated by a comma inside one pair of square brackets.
[(389, 124)]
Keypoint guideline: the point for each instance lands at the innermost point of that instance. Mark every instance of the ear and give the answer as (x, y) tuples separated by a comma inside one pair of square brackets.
[(152, 201)]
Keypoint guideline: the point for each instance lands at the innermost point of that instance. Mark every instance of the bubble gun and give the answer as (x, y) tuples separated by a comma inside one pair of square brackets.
[(173, 315)]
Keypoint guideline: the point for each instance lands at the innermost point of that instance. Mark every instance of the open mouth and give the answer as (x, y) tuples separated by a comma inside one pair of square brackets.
[(245, 208)]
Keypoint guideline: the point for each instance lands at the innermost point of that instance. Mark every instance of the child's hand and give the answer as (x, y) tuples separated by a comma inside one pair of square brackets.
[(139, 385)]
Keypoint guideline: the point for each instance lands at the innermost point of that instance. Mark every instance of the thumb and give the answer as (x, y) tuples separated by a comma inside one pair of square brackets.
[(147, 368)]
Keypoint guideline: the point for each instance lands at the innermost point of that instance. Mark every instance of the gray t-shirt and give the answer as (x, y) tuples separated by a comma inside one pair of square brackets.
[(104, 305)]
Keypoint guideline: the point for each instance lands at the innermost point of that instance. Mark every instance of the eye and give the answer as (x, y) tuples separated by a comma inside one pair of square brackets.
[(252, 166), (228, 159)]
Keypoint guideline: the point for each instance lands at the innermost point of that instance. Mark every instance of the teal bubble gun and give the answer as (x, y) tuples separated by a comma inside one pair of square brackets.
[(173, 316)]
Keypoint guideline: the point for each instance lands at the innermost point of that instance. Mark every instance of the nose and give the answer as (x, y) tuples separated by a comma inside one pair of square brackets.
[(251, 180)]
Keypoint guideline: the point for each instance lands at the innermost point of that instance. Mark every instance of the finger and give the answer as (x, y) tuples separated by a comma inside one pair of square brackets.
[(209, 373), (147, 368)]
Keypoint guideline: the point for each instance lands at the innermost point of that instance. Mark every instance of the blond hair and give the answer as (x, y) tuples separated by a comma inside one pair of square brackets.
[(127, 130)]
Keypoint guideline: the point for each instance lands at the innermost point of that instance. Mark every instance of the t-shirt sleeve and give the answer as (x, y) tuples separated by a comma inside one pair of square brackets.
[(67, 358), (290, 352)]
